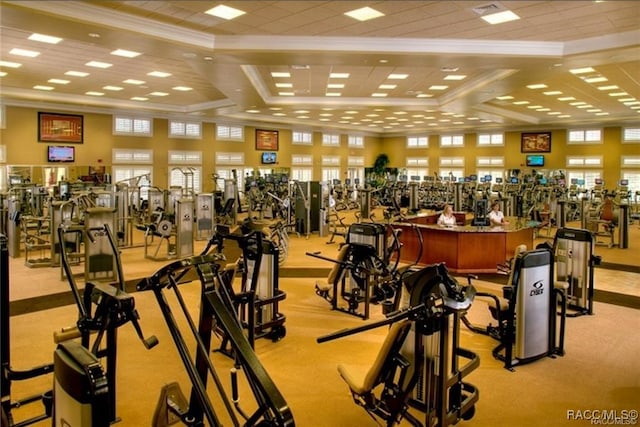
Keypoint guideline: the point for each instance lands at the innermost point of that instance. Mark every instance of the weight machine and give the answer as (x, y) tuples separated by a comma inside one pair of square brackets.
[(216, 308), (419, 365)]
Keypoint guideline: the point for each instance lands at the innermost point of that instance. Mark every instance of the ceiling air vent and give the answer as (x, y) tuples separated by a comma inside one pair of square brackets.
[(488, 9)]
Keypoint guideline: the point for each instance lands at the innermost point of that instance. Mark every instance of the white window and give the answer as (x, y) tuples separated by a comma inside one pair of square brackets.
[(588, 177), (131, 156), (417, 141), (633, 177), (138, 126), (182, 129), (3, 113), (631, 135), (355, 161), (329, 174), (187, 177), (355, 141), (223, 173), (185, 158), (230, 133), (330, 160), (140, 175), (302, 138), (3, 154), (331, 139), (452, 167), (630, 162), (489, 161), (584, 161), (584, 136), (301, 174), (301, 159), (490, 139), (417, 167), (232, 158), (452, 140)]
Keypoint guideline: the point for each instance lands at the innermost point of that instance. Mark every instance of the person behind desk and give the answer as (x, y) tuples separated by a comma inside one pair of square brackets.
[(496, 217), (446, 218)]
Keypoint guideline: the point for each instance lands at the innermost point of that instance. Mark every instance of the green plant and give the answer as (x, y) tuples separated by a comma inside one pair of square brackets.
[(380, 164)]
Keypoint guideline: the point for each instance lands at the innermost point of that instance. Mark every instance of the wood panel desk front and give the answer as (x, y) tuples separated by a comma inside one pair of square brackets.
[(464, 249)]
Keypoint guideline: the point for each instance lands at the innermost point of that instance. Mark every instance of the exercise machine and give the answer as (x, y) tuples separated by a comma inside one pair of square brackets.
[(216, 308), (257, 301), (419, 366), (574, 264), (102, 308), (528, 324)]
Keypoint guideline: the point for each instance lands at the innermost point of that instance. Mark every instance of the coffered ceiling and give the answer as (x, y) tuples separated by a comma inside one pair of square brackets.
[(452, 69)]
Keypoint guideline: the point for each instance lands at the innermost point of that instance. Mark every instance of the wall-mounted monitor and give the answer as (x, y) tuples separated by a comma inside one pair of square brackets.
[(61, 154), (268, 158), (623, 182), (535, 160)]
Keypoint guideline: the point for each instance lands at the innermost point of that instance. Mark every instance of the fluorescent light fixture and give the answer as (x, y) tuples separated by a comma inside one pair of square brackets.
[(252, 111), (582, 70), (378, 95), (455, 77), (125, 53), (608, 87), (24, 52), (504, 97), (564, 116), (9, 64), (302, 117), (325, 114), (593, 110), (597, 79), (520, 102), (279, 114), (134, 82), (552, 92), (335, 86), (300, 111), (543, 109), (554, 113), (94, 93), (383, 86), (225, 12), (500, 17), (397, 76), (278, 74), (286, 93), (566, 98), (618, 94), (182, 88), (284, 85), (161, 74), (98, 64), (577, 103), (604, 113), (537, 86), (159, 94), (3, 73), (58, 81), (139, 98), (76, 73), (339, 75), (333, 94), (364, 14), (626, 99), (44, 38), (112, 88), (42, 87), (534, 107), (438, 87)]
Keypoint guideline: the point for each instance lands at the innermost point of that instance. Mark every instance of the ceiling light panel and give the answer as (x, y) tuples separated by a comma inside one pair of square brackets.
[(43, 38), (364, 14), (24, 52), (500, 17), (225, 12)]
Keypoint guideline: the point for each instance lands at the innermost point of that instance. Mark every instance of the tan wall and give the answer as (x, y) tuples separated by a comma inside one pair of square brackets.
[(23, 148)]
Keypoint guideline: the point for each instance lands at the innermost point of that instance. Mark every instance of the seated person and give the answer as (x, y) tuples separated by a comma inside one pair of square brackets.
[(496, 217), (446, 218)]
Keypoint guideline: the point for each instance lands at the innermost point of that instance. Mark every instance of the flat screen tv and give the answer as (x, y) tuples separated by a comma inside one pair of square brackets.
[(268, 158), (535, 160), (61, 154)]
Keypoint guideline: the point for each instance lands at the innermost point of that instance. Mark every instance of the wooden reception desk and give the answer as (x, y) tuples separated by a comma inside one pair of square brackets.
[(463, 248)]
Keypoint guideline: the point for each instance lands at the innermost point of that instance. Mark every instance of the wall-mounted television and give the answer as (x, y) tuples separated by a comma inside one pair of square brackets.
[(61, 154), (535, 160), (268, 158)]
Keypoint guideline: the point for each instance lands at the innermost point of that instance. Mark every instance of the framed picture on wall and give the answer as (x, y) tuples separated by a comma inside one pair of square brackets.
[(54, 127), (266, 140), (535, 142)]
